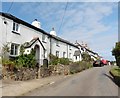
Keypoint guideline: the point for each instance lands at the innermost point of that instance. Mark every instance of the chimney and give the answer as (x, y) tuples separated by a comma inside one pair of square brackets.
[(53, 32), (36, 23)]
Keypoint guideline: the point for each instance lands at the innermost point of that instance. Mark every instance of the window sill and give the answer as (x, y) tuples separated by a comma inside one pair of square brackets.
[(15, 32), (13, 55)]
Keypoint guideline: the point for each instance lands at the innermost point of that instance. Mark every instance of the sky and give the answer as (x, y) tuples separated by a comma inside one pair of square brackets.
[(94, 23)]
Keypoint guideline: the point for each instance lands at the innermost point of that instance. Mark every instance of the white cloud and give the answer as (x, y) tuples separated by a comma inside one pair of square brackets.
[(82, 21)]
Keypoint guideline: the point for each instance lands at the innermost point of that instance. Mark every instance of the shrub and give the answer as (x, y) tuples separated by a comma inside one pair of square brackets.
[(86, 57), (79, 66), (64, 61), (54, 60), (26, 60)]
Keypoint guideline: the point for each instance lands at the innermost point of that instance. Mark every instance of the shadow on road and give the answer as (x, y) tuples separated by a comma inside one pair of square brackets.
[(111, 78)]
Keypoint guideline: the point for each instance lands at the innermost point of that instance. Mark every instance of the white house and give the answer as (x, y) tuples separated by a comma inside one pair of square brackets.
[(17, 32), (83, 48)]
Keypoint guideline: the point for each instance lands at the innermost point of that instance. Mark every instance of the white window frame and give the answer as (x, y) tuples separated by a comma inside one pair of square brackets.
[(16, 27), (14, 51)]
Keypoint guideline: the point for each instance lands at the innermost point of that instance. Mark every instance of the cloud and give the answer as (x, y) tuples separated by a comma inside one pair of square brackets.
[(88, 23), (83, 21)]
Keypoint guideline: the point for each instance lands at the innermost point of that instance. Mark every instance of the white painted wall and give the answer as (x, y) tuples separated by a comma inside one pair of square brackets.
[(27, 34)]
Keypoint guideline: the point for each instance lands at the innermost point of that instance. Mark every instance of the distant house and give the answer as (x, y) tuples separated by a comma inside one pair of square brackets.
[(17, 32), (82, 48)]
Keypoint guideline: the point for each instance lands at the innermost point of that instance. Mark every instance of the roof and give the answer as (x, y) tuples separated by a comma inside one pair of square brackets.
[(86, 48), (77, 53), (7, 15), (29, 44), (62, 40)]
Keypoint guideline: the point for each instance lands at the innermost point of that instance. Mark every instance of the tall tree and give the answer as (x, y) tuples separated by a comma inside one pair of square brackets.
[(116, 53)]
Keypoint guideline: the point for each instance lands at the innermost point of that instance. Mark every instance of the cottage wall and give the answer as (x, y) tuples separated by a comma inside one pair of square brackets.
[(26, 34)]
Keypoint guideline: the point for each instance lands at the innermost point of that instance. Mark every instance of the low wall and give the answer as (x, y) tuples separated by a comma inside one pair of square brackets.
[(19, 74)]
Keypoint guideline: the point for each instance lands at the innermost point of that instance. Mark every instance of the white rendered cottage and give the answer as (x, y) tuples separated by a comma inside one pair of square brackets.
[(17, 32)]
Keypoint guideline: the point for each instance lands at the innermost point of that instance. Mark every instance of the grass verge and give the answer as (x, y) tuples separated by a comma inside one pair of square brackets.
[(115, 72)]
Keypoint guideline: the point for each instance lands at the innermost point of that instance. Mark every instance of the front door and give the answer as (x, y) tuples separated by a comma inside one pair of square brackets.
[(37, 53)]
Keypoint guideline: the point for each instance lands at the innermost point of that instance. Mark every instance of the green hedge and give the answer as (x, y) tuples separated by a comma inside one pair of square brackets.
[(79, 66), (54, 60)]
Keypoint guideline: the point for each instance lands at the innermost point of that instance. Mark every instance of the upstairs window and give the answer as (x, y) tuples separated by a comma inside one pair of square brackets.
[(15, 27), (14, 49)]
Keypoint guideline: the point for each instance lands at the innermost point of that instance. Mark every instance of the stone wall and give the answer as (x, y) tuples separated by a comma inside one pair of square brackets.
[(22, 74)]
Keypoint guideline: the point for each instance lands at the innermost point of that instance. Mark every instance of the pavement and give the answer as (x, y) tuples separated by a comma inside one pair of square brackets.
[(18, 88)]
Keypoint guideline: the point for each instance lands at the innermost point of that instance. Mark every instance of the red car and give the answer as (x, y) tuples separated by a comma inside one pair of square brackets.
[(104, 61)]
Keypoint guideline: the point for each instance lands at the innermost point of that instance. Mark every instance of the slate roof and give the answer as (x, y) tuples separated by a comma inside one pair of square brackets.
[(9, 16), (86, 49)]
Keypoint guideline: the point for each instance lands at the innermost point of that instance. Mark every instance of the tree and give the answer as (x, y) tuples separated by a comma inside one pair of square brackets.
[(86, 57), (116, 53)]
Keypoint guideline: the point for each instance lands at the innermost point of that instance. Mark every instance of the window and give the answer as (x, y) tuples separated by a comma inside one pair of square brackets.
[(14, 49), (43, 38), (15, 27), (57, 53), (64, 54)]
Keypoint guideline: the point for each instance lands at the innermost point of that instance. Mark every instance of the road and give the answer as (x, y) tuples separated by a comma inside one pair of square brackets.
[(92, 82)]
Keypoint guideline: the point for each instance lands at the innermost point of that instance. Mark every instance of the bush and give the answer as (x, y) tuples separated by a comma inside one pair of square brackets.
[(64, 61), (79, 66), (26, 60), (54, 60), (86, 57)]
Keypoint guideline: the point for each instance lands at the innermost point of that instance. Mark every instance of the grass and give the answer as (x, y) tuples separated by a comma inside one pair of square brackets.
[(115, 71)]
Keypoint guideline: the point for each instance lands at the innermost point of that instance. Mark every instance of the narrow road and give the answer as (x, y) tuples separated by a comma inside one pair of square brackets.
[(92, 82)]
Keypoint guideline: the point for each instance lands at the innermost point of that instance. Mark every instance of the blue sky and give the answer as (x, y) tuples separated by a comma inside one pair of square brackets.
[(95, 23)]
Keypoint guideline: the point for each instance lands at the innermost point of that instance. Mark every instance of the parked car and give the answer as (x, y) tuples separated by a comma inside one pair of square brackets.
[(98, 63), (104, 62)]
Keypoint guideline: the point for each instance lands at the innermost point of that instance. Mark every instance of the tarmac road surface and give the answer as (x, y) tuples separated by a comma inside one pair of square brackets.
[(92, 82)]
